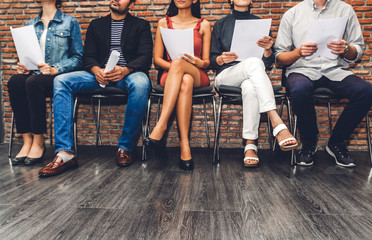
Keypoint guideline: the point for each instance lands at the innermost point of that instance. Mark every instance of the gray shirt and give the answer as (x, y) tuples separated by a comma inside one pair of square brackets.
[(292, 34)]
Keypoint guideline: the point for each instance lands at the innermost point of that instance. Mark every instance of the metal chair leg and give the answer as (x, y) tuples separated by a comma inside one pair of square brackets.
[(11, 137), (269, 130), (293, 156), (206, 122), (330, 118), (74, 117), (145, 131), (369, 138), (98, 137), (158, 110), (216, 150), (51, 121)]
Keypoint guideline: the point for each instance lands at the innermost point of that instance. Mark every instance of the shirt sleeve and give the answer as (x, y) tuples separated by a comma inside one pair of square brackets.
[(284, 41), (353, 35), (215, 46)]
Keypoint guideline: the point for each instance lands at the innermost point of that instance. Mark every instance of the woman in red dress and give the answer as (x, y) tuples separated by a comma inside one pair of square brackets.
[(181, 75)]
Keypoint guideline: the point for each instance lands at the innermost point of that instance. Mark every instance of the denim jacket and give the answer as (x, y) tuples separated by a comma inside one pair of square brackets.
[(63, 46)]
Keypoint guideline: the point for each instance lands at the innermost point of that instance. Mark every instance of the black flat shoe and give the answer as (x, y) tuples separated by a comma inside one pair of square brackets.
[(153, 143), (18, 160), (31, 161), (186, 165)]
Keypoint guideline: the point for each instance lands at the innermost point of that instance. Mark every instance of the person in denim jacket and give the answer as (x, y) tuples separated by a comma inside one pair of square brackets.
[(61, 44)]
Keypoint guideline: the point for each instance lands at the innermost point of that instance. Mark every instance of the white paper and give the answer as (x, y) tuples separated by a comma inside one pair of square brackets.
[(111, 63), (324, 31), (178, 42), (27, 46), (245, 37)]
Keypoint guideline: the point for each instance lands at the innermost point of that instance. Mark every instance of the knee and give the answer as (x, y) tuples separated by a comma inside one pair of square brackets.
[(187, 83), (62, 82), (15, 82), (33, 82), (141, 83), (300, 88), (363, 92), (177, 64)]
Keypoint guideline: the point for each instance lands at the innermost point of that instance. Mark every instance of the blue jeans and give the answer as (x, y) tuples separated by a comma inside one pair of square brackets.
[(67, 85)]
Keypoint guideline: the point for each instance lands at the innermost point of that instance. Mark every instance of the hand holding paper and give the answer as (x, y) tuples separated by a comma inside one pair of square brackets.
[(246, 35), (111, 63), (324, 31)]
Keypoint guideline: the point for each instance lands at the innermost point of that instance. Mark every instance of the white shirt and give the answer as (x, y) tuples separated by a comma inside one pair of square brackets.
[(42, 41), (292, 34)]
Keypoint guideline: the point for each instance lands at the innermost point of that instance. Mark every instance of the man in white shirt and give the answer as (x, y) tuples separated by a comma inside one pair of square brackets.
[(304, 75)]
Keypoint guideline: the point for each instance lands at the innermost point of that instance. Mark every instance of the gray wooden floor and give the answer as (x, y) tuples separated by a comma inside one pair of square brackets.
[(156, 200)]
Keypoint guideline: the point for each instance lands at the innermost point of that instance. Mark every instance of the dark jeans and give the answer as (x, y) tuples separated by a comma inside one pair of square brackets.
[(27, 97), (356, 90)]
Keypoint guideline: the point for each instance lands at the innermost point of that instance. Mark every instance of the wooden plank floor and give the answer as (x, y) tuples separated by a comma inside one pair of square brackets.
[(156, 200)]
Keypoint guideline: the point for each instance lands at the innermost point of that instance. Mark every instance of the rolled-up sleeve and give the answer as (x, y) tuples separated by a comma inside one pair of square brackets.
[(284, 41), (353, 35)]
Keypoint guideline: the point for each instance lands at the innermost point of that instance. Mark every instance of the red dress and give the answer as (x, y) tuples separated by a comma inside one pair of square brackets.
[(198, 45)]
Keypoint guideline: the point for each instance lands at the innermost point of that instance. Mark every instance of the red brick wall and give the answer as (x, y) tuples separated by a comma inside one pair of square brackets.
[(17, 12)]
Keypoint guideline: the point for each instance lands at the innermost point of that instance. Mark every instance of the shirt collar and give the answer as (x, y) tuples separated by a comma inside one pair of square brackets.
[(313, 6), (58, 17)]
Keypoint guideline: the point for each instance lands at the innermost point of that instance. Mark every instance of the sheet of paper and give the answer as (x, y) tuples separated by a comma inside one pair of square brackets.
[(245, 37), (324, 31), (111, 63), (27, 46), (178, 42)]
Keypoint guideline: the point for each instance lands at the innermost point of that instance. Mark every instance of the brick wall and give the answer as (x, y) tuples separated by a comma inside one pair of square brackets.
[(17, 12)]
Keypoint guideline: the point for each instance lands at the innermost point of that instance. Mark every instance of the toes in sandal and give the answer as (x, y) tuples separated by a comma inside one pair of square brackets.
[(287, 147), (256, 160)]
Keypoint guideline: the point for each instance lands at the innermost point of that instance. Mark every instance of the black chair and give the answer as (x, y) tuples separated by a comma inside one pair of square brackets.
[(201, 93), (326, 94), (50, 96), (97, 95), (233, 95)]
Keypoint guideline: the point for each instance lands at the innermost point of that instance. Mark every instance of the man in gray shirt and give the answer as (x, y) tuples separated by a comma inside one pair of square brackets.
[(304, 75)]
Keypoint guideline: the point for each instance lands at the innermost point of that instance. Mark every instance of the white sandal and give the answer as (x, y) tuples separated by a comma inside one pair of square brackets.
[(283, 147), (251, 164)]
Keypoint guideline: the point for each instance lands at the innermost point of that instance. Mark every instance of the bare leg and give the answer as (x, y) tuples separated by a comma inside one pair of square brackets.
[(275, 121), (172, 88), (27, 143), (184, 108), (37, 147)]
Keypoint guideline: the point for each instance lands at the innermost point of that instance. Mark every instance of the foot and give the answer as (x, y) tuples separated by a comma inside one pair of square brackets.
[(124, 158), (36, 151), (341, 155), (57, 166), (305, 157), (186, 165), (285, 139), (158, 132), (185, 151), (250, 156), (24, 151)]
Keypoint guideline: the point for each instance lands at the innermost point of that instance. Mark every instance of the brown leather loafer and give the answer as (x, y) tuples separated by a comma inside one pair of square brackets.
[(55, 167), (124, 158)]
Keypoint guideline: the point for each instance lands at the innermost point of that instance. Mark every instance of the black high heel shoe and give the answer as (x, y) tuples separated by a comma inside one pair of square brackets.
[(154, 143), (31, 161), (186, 164), (18, 160)]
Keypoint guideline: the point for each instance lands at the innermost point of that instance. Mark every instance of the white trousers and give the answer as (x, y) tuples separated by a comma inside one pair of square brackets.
[(257, 92)]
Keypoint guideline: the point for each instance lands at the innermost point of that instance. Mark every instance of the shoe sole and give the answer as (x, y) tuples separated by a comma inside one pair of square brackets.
[(337, 162)]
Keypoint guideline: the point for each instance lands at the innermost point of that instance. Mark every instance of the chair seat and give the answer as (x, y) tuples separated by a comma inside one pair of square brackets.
[(230, 90), (324, 93), (106, 92), (157, 89)]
